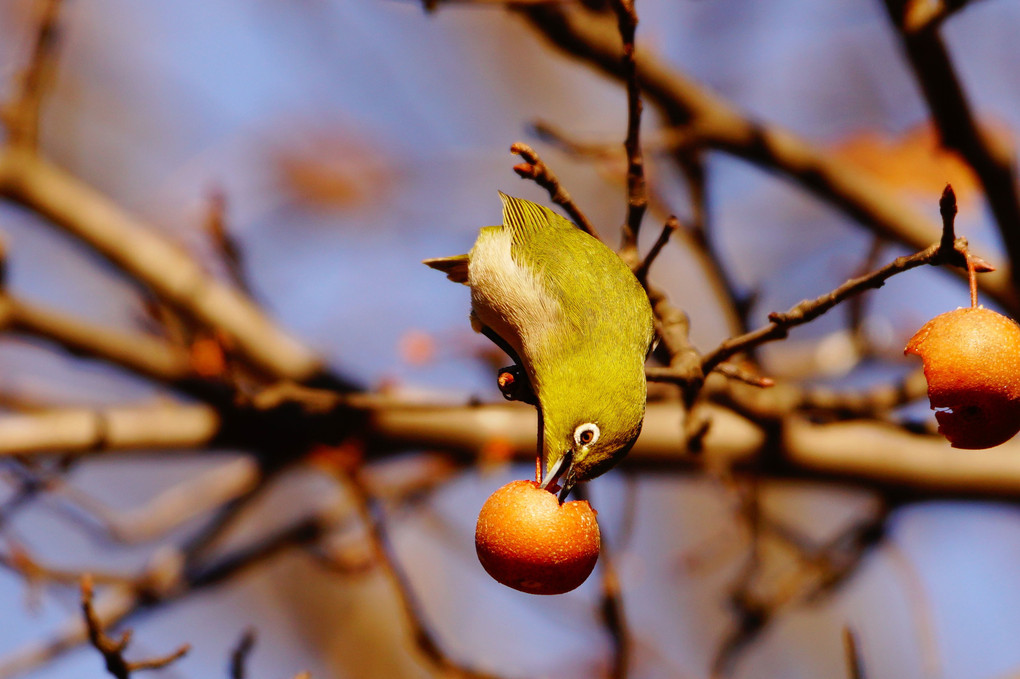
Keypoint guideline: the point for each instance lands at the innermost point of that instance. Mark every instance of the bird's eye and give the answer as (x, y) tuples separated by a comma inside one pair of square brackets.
[(586, 434)]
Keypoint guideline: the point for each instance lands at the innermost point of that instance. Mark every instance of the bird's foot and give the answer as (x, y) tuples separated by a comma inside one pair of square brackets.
[(514, 385)]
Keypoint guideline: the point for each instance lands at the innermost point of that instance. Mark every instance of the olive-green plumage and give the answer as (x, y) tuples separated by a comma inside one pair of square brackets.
[(575, 318)]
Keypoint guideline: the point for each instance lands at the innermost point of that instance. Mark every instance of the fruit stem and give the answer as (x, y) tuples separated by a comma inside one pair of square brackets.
[(972, 274)]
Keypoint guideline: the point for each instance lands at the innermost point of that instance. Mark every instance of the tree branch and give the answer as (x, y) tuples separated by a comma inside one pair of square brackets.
[(142, 354), (958, 128), (637, 190), (534, 168), (112, 650), (808, 310), (21, 114), (148, 257), (593, 37), (81, 430)]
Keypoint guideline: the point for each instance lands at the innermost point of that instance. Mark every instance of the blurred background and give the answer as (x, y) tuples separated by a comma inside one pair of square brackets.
[(352, 138)]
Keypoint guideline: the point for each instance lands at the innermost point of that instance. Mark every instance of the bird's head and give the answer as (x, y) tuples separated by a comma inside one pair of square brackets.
[(590, 423)]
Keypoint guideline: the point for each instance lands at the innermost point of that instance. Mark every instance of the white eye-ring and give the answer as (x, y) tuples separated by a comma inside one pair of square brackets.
[(586, 434)]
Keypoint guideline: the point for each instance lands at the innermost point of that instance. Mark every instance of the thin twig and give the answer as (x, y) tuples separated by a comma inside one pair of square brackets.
[(594, 36), (637, 191), (424, 639), (671, 225), (21, 114), (534, 168), (852, 651), (736, 372), (693, 231), (808, 310), (226, 244), (239, 656), (611, 607), (113, 649)]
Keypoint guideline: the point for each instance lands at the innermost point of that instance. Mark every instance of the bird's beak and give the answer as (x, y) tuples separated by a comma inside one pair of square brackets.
[(561, 469)]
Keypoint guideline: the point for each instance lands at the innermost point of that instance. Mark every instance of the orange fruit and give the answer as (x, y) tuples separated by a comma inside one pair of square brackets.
[(972, 364), (527, 540)]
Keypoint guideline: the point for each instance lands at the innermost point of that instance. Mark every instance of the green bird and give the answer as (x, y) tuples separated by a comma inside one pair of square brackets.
[(572, 315)]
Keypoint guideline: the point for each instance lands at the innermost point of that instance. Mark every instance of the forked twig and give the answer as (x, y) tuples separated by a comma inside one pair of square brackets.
[(534, 168), (111, 649), (808, 310)]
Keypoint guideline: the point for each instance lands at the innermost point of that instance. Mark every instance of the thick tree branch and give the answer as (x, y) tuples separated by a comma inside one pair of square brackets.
[(148, 257), (145, 355), (81, 430)]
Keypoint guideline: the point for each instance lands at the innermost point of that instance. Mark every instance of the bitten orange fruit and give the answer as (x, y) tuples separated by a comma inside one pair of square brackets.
[(527, 540), (972, 364)]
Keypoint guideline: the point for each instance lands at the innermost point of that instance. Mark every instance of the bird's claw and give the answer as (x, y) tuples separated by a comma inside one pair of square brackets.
[(514, 385)]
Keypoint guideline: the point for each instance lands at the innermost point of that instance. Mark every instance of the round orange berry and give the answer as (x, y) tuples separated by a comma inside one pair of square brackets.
[(527, 540), (972, 363)]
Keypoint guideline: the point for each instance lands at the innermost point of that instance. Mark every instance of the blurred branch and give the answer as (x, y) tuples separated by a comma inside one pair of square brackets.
[(226, 244), (868, 453), (819, 570), (146, 256), (734, 304), (851, 647), (820, 402), (849, 452), (714, 123), (611, 604), (21, 562), (198, 496), (239, 656), (113, 649), (80, 430), (20, 115), (857, 305), (30, 180), (928, 15), (139, 353), (371, 516), (958, 128)]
